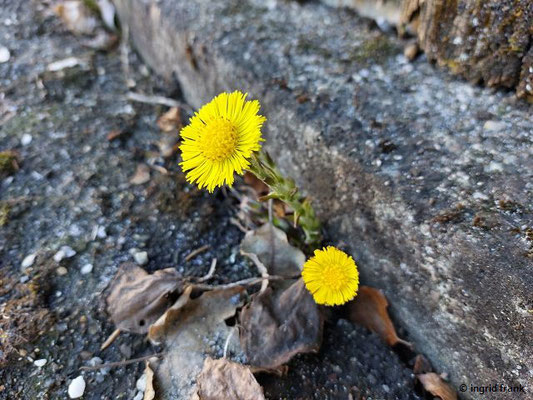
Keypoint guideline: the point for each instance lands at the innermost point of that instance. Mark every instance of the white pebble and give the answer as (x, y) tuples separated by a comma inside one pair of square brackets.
[(141, 383), (101, 233), (28, 261), (59, 256), (40, 363), (139, 396), (493, 126), (64, 252), (26, 139), (76, 388), (5, 55), (86, 269), (141, 257), (480, 196), (69, 251)]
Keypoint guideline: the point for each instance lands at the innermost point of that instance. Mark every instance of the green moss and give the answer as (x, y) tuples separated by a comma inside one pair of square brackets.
[(376, 49), (8, 162), (4, 213)]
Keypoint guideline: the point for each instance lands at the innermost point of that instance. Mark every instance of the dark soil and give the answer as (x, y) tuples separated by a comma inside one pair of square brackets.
[(72, 188)]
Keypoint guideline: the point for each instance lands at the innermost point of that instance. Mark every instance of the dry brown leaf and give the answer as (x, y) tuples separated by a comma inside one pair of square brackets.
[(369, 308), (279, 324), (271, 246), (149, 392), (115, 134), (422, 365), (142, 175), (158, 331), (137, 299), (259, 187), (434, 384), (170, 121), (77, 17), (224, 379), (191, 331)]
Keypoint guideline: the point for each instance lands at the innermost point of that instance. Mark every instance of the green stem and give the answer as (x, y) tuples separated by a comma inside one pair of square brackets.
[(285, 189)]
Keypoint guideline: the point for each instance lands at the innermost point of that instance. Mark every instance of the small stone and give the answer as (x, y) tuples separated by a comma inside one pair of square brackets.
[(101, 233), (125, 350), (5, 55), (411, 51), (86, 269), (28, 261), (142, 175), (64, 252), (493, 126), (62, 271), (26, 139), (40, 363), (59, 256), (93, 362), (69, 251), (24, 279), (76, 388), (141, 383), (141, 257)]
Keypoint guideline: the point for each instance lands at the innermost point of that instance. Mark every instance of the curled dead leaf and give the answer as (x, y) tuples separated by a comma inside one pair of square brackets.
[(273, 250), (159, 329), (149, 392), (170, 121), (435, 385), (279, 324), (224, 379), (369, 308), (137, 299), (192, 330)]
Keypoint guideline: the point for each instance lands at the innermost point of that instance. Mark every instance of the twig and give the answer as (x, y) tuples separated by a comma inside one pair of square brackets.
[(235, 222), (226, 345), (110, 339), (159, 100), (261, 268), (243, 282), (160, 169), (121, 363), (125, 55), (194, 253), (211, 271)]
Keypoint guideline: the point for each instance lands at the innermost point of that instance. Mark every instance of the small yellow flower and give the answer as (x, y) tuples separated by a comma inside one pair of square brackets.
[(331, 276), (220, 139)]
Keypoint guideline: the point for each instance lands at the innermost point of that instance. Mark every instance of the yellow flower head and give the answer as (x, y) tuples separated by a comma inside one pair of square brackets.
[(331, 276), (220, 139)]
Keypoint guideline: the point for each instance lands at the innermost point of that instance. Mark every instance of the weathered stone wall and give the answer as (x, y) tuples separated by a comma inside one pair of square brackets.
[(488, 42), (425, 179)]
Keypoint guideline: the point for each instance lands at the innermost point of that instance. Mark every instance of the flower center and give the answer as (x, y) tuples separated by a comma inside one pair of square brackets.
[(218, 140), (333, 276)]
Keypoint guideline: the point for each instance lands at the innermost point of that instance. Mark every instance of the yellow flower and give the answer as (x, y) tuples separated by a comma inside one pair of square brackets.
[(331, 276), (220, 139)]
